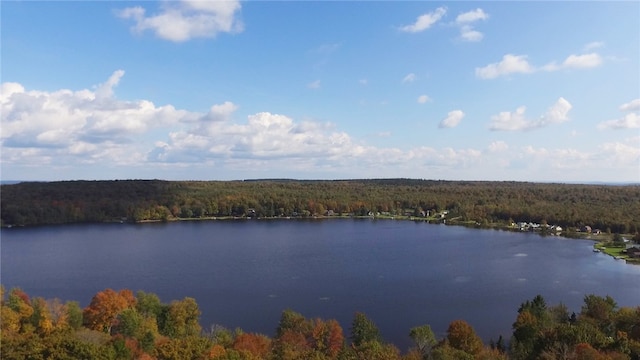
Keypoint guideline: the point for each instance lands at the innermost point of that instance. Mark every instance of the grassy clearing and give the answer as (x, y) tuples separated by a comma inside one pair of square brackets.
[(615, 251)]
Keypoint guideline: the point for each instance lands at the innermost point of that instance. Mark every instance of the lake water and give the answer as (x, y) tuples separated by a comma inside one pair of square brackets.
[(244, 273)]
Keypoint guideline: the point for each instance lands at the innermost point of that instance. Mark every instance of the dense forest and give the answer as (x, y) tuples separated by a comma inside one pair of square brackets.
[(121, 325), (605, 207)]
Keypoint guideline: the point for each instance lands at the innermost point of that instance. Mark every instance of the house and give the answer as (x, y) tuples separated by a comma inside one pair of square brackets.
[(596, 232), (633, 251), (586, 229)]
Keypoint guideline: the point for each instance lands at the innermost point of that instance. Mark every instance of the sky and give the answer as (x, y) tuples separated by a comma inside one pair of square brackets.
[(228, 90)]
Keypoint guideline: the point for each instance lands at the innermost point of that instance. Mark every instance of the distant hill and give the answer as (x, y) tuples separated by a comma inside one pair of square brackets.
[(606, 207)]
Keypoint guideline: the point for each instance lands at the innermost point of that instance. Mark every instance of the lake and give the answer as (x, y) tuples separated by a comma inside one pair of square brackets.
[(244, 273)]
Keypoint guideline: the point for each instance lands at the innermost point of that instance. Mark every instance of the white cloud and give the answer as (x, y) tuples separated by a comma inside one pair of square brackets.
[(106, 90), (510, 64), (631, 120), (425, 21), (472, 16), (465, 21), (498, 146), (609, 156), (467, 33), (422, 99), (628, 121), (452, 120), (582, 61), (593, 45), (633, 105), (70, 122), (183, 20), (314, 84), (66, 133), (619, 154), (516, 121), (411, 77)]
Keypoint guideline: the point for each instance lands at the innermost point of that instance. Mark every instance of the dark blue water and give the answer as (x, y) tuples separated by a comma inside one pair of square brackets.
[(244, 273)]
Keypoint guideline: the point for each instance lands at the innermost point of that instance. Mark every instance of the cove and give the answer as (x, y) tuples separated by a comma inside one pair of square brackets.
[(244, 273)]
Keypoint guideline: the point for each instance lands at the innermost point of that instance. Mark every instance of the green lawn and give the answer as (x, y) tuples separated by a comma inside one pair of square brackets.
[(610, 250)]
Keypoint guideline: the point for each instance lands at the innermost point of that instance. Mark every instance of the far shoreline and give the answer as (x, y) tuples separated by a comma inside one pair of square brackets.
[(602, 242)]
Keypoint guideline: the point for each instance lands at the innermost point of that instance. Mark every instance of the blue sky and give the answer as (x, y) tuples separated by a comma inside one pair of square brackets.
[(212, 90)]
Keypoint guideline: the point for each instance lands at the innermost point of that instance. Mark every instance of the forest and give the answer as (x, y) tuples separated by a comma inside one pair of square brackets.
[(124, 325), (609, 208)]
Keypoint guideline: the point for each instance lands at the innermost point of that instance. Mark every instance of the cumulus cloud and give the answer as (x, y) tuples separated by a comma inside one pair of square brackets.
[(411, 77), (610, 155), (184, 20), (422, 99), (45, 131), (465, 22), (583, 61), (425, 21), (471, 16), (631, 120), (513, 64), (516, 120), (467, 33), (498, 146), (633, 105), (452, 120), (77, 121), (509, 64)]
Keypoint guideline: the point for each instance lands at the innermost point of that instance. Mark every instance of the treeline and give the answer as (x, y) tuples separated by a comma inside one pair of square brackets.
[(604, 207), (121, 325)]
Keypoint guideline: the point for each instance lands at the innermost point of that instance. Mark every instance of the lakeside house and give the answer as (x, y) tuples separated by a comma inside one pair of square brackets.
[(586, 228), (633, 251)]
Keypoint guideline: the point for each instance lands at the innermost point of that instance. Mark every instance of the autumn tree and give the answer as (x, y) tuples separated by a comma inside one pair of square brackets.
[(298, 337), (462, 336), (41, 317), (327, 337), (105, 307), (257, 346)]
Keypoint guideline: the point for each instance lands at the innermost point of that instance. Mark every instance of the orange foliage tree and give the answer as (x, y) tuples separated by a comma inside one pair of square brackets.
[(257, 345), (463, 337), (104, 308)]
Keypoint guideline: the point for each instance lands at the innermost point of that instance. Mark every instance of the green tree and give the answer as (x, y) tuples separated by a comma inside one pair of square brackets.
[(618, 240), (74, 314), (424, 339), (148, 304), (363, 330), (182, 319), (600, 312), (129, 323)]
